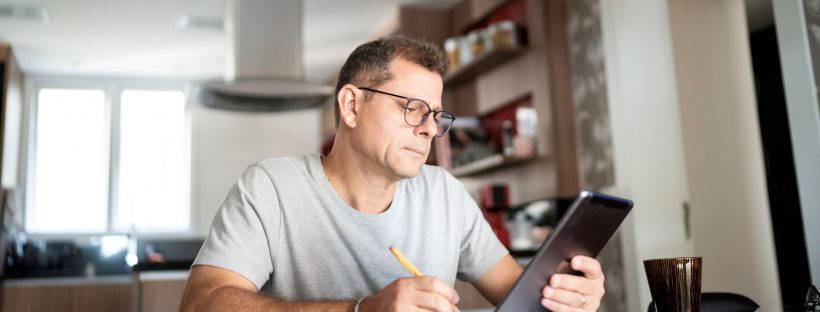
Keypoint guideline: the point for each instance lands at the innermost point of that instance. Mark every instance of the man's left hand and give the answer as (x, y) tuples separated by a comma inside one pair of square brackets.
[(567, 292)]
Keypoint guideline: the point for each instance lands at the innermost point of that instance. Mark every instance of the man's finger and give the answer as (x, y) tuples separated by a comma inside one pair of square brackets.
[(556, 306), (589, 266), (434, 285), (573, 283), (433, 302), (567, 297)]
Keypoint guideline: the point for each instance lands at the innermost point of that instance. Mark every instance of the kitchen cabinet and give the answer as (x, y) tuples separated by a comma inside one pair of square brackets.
[(94, 294), (146, 291), (158, 291)]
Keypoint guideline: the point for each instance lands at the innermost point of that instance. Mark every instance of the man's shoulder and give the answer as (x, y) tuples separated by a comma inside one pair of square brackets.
[(282, 166), (289, 162)]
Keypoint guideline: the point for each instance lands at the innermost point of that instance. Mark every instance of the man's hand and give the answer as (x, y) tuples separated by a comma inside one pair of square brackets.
[(412, 294), (576, 293)]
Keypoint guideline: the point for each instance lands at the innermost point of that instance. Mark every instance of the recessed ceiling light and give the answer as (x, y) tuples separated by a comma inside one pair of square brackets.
[(200, 23), (24, 11)]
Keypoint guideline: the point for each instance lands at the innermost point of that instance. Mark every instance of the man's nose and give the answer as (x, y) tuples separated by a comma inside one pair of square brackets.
[(429, 126)]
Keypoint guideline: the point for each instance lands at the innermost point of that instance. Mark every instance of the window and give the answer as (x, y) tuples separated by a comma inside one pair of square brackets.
[(152, 168), (71, 172), (108, 160)]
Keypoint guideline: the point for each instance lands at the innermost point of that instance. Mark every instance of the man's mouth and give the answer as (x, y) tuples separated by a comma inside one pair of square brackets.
[(416, 150)]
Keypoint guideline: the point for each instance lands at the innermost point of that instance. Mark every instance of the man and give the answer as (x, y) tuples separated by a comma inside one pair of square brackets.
[(305, 233)]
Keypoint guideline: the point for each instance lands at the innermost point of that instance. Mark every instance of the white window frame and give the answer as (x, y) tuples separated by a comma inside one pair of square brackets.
[(113, 89)]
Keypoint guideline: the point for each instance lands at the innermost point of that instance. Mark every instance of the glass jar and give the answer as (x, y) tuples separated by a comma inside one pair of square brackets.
[(451, 47)]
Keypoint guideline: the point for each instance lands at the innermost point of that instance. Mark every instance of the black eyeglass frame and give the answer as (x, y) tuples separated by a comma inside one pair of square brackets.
[(442, 113)]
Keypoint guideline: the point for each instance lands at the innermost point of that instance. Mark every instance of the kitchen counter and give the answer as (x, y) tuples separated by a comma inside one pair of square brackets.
[(72, 280)]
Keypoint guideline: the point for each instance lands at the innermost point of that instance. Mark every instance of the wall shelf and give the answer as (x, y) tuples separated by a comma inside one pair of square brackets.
[(482, 63), (493, 162)]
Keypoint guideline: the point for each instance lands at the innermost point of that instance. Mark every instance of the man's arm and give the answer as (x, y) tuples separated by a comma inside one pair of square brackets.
[(563, 292), (211, 288), (495, 285)]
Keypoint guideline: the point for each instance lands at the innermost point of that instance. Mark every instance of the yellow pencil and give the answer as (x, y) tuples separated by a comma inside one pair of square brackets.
[(409, 266)]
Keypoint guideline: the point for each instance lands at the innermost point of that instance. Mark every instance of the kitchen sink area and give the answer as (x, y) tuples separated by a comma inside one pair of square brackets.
[(97, 274), (96, 256)]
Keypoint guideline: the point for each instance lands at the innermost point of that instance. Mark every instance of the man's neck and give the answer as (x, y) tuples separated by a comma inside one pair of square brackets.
[(361, 186)]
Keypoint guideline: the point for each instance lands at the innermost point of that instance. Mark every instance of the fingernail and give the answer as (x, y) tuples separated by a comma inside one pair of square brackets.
[(548, 292), (556, 281), (545, 302), (457, 298)]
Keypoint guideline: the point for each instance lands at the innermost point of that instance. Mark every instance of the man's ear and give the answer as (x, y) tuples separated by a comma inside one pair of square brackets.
[(348, 111)]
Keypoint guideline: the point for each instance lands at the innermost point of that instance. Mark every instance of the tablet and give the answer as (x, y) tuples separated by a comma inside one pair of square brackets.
[(584, 230)]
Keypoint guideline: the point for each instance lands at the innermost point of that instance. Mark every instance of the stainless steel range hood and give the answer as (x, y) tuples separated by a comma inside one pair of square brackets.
[(265, 70)]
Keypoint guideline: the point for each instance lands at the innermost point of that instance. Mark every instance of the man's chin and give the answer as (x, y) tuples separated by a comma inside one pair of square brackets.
[(408, 171)]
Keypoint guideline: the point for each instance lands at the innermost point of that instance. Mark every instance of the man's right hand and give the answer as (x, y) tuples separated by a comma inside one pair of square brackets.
[(423, 293)]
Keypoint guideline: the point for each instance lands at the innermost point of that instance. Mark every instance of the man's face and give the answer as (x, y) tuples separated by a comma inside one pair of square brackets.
[(382, 134)]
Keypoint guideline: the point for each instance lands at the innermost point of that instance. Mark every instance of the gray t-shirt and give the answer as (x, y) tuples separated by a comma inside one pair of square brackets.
[(283, 227)]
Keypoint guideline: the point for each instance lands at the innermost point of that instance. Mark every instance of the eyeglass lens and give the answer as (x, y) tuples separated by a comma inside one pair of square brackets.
[(416, 112)]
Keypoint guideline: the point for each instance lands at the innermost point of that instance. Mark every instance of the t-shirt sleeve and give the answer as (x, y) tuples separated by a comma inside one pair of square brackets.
[(480, 248), (244, 229)]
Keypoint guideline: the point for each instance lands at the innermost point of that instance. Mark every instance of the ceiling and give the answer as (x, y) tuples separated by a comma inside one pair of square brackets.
[(140, 39)]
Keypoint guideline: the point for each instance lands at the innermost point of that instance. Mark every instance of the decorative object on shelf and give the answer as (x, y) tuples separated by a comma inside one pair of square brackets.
[(496, 40), (480, 64), (505, 34), (469, 142), (504, 137), (451, 47), (524, 141), (507, 139)]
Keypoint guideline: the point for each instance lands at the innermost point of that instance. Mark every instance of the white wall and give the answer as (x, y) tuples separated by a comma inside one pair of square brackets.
[(646, 136), (731, 223), (224, 143)]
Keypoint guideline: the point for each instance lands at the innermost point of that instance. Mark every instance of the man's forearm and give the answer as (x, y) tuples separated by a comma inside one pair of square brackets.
[(235, 299)]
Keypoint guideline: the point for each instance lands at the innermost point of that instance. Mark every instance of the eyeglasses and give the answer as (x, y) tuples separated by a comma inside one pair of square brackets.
[(417, 111)]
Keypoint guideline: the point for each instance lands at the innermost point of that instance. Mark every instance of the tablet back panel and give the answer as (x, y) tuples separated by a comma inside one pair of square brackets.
[(584, 230)]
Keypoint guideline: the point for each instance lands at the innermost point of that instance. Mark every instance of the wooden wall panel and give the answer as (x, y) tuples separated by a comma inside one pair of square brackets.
[(464, 98), (481, 8), (507, 82), (424, 23), (460, 17), (560, 82)]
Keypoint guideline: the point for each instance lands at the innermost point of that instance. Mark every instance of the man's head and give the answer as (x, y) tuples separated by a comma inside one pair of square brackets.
[(372, 104), (369, 64)]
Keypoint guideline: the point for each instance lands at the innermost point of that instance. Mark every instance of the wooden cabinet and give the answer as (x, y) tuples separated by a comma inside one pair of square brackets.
[(153, 291), (158, 291), (101, 294)]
